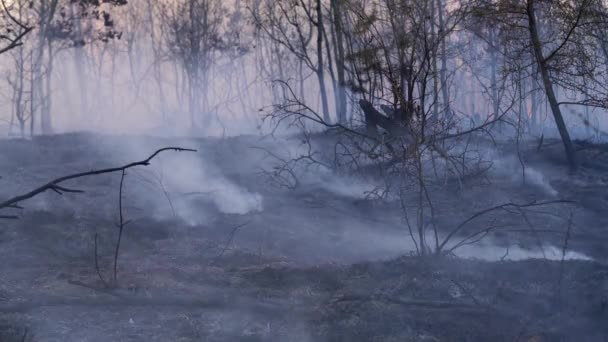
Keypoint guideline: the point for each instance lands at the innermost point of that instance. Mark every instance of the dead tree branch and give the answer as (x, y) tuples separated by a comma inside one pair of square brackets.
[(54, 185), (121, 225), (17, 40), (505, 206), (96, 254), (230, 238)]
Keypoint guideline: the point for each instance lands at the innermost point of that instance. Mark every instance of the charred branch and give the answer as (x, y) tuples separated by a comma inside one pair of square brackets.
[(55, 185)]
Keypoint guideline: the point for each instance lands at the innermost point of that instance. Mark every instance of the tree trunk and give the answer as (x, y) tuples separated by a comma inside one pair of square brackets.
[(330, 66), (337, 11), (301, 79), (320, 71), (534, 110), (494, 71), (37, 94), (80, 66), (523, 107), (19, 105), (472, 96), (45, 113), (157, 63), (542, 67), (444, 61), (32, 96), (433, 57)]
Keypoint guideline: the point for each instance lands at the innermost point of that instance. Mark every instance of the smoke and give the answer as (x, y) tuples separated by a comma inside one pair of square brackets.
[(189, 174), (186, 185), (345, 186), (312, 168), (509, 167), (487, 250)]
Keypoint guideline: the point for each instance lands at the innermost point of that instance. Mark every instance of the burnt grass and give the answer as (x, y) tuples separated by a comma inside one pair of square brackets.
[(311, 266)]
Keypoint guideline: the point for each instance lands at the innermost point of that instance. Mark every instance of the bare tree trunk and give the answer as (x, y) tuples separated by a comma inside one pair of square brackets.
[(180, 83), (523, 107), (494, 71), (274, 52), (19, 105), (243, 86), (45, 112), (320, 70), (32, 96), (46, 12), (192, 99), (80, 65), (433, 61), (330, 67), (203, 96), (588, 131), (113, 79), (472, 96), (157, 62), (601, 36), (341, 106), (37, 85), (444, 61), (301, 78), (540, 59), (534, 117)]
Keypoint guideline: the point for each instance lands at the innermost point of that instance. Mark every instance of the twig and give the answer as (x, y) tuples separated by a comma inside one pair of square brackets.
[(104, 290), (230, 238), (165, 192), (121, 224), (105, 283), (533, 230), (504, 256), (540, 143), (466, 291), (407, 221), (505, 206)]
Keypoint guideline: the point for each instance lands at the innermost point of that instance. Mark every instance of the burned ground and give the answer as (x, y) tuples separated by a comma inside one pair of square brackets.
[(224, 256)]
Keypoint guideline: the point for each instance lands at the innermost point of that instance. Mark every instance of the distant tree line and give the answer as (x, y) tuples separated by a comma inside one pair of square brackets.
[(461, 62)]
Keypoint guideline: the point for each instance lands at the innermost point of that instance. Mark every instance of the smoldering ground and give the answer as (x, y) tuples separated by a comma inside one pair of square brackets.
[(215, 251)]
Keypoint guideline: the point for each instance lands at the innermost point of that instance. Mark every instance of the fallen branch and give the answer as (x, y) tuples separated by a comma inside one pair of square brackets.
[(54, 185)]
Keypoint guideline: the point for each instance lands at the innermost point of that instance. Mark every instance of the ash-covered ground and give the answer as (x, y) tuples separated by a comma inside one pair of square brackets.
[(214, 252)]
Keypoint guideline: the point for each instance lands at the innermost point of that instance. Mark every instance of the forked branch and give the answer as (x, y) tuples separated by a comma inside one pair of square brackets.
[(56, 184)]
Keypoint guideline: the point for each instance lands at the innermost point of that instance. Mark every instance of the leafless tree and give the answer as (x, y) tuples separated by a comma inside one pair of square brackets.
[(55, 25), (558, 37), (193, 34)]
